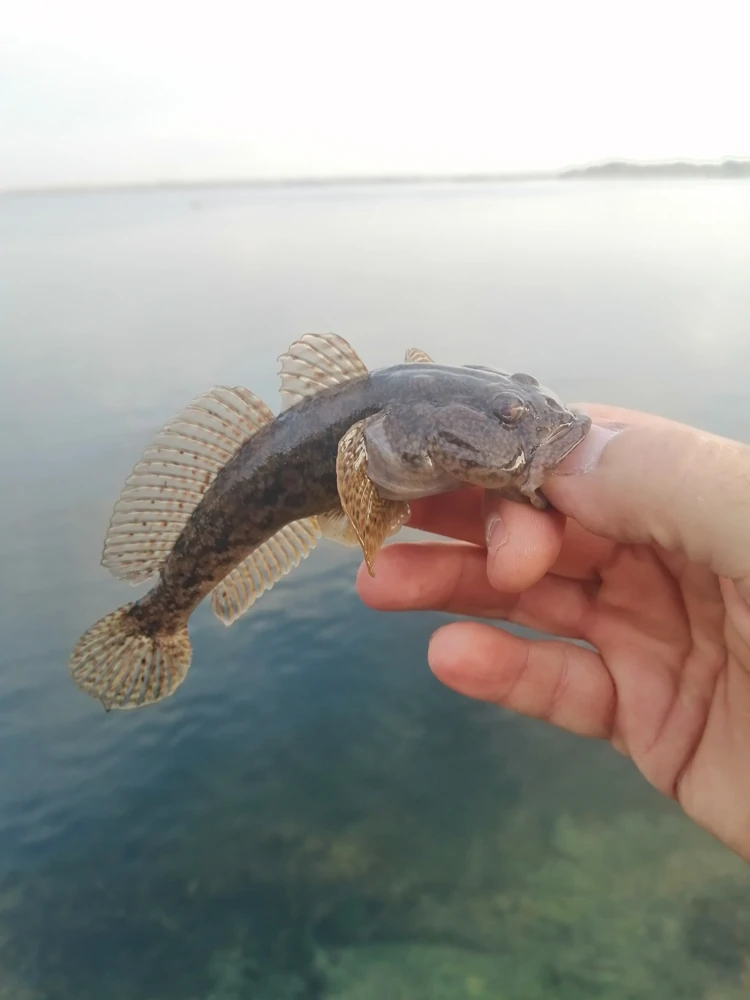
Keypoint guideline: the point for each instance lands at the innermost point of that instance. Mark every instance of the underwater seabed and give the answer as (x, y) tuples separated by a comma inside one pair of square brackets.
[(591, 909), (397, 843)]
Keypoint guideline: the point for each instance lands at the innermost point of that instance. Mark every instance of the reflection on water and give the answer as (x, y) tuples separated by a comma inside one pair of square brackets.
[(312, 815)]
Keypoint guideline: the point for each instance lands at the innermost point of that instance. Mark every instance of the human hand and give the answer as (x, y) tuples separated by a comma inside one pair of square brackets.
[(647, 559)]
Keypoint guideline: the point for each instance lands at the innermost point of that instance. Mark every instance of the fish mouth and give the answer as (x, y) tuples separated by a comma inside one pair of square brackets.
[(566, 437)]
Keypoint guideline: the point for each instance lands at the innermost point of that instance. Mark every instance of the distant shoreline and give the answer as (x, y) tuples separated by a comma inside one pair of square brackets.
[(727, 169)]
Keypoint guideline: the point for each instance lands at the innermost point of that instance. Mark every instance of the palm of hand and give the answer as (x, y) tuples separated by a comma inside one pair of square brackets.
[(679, 690), (668, 679)]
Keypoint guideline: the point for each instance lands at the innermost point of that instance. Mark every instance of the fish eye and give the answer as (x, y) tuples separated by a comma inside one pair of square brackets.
[(509, 408)]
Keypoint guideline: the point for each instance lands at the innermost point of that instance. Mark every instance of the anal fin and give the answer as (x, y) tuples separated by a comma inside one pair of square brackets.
[(264, 567), (372, 517)]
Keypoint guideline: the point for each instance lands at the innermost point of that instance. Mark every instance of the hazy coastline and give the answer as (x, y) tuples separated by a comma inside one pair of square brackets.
[(727, 169)]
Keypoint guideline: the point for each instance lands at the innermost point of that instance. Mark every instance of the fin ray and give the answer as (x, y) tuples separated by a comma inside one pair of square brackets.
[(336, 526), (372, 517), (414, 355), (173, 475), (264, 567), (316, 362), (124, 667)]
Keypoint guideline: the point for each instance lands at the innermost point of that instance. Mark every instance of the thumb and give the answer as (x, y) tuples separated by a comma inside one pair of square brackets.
[(642, 479)]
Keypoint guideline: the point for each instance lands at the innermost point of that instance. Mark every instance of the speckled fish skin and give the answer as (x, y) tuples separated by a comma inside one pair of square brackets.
[(441, 437), (444, 429), (228, 497)]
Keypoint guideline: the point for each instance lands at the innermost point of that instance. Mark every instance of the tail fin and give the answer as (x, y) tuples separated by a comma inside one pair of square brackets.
[(125, 667)]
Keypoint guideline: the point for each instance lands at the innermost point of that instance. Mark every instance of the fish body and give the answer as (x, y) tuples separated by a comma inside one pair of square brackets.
[(229, 497)]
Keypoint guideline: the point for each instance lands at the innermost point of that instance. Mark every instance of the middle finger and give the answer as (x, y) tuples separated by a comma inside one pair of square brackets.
[(453, 577)]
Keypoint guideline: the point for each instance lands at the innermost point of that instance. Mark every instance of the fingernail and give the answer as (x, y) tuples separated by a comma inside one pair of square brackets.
[(586, 456), (434, 636), (496, 534)]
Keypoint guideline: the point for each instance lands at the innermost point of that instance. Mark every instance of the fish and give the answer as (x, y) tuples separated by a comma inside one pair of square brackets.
[(228, 498)]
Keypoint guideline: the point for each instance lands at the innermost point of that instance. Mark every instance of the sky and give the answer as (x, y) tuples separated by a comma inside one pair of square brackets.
[(160, 90)]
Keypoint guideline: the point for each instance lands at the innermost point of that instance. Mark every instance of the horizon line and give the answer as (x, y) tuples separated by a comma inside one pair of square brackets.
[(353, 179)]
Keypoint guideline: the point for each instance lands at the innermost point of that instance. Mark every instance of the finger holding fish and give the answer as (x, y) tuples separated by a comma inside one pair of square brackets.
[(452, 577), (458, 514), (520, 543)]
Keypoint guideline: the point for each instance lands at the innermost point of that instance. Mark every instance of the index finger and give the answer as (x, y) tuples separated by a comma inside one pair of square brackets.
[(463, 515), (457, 514)]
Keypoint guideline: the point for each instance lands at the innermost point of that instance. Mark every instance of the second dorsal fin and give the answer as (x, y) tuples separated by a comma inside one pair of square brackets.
[(173, 475), (315, 362)]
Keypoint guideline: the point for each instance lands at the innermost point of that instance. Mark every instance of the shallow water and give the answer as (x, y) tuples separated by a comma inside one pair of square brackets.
[(312, 815)]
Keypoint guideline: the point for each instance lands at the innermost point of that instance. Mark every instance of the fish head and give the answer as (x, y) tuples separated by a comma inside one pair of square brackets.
[(506, 429), (501, 432)]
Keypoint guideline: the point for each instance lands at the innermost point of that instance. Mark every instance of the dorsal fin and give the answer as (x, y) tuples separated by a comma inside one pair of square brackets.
[(315, 362), (263, 568), (414, 354), (173, 475)]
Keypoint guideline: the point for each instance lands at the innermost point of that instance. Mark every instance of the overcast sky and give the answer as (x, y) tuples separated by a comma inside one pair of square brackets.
[(92, 92)]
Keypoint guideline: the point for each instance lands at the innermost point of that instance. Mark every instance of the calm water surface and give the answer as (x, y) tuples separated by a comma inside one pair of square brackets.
[(312, 815)]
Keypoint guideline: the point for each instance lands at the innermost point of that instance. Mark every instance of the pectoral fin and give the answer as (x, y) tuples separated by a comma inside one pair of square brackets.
[(372, 517), (337, 527)]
